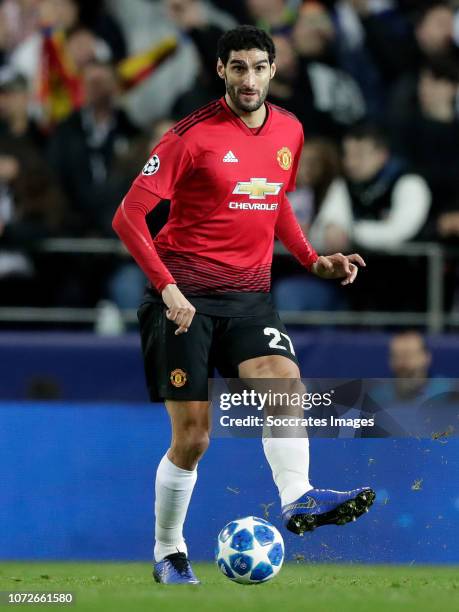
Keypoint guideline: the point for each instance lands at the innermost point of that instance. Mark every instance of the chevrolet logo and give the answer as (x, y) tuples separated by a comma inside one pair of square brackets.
[(257, 189)]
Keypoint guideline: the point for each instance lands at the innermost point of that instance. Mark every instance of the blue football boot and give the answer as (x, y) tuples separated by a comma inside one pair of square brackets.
[(174, 569), (320, 507)]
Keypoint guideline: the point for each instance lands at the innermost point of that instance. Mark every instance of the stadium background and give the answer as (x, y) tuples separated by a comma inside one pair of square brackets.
[(78, 443)]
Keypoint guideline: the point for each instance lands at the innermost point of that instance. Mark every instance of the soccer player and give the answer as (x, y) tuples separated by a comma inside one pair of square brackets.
[(226, 169)]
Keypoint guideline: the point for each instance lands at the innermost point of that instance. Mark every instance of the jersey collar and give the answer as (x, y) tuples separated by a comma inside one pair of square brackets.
[(238, 121)]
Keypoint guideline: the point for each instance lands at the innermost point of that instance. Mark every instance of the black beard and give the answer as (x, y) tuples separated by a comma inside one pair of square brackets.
[(246, 108)]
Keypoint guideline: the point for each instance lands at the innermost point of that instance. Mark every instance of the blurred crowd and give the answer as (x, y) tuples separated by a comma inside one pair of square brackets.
[(87, 89)]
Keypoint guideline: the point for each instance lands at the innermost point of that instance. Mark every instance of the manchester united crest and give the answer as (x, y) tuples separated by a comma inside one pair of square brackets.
[(178, 378), (284, 157)]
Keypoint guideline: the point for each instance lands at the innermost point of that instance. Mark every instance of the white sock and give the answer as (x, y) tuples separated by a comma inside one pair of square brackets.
[(289, 461), (173, 489)]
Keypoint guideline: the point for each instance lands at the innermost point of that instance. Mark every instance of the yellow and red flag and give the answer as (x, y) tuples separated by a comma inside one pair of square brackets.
[(136, 68), (60, 88)]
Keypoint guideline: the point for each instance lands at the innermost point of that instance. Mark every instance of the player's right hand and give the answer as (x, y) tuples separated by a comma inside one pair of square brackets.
[(179, 310)]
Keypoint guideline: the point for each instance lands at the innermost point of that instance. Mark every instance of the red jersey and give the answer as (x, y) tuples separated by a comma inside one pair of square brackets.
[(227, 184)]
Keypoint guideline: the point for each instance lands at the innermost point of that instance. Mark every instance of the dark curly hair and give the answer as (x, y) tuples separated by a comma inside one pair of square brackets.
[(245, 37)]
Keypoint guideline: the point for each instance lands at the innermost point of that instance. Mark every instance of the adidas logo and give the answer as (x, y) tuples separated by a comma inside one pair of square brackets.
[(230, 158)]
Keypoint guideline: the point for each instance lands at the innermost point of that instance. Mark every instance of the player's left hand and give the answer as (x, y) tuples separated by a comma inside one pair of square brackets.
[(338, 266)]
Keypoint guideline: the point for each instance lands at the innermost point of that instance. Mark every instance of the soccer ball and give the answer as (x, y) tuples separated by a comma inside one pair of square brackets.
[(250, 550)]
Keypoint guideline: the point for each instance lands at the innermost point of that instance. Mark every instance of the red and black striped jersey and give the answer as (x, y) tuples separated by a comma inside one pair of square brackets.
[(227, 185)]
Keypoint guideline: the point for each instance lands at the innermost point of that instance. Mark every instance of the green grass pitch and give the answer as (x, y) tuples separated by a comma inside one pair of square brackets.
[(113, 587)]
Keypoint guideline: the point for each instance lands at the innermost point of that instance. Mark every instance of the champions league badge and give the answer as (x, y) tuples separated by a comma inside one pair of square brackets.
[(152, 166)]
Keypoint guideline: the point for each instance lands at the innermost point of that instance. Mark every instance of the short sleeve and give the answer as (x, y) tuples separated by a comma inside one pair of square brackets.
[(296, 161), (169, 162)]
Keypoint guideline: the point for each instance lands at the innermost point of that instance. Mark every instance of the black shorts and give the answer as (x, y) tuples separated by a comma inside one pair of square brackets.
[(178, 367)]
